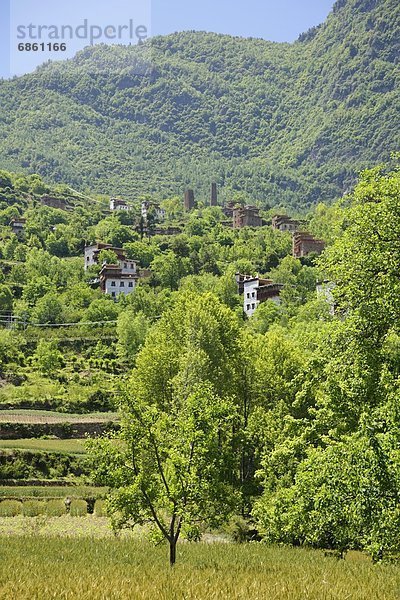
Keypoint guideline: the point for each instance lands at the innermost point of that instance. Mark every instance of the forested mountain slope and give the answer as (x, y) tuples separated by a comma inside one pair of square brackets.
[(286, 123)]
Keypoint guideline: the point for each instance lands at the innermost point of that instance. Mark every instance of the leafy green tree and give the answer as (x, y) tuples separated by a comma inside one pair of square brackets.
[(266, 315), (10, 247), (47, 358), (169, 269), (173, 207), (36, 288), (6, 299), (142, 251), (345, 496), (101, 310), (48, 309), (132, 329), (169, 469), (108, 256), (112, 232)]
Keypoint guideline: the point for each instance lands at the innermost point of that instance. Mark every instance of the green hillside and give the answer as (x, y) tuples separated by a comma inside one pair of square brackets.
[(285, 123)]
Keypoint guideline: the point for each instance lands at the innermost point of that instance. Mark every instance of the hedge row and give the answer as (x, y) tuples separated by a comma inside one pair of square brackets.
[(63, 431), (25, 464), (52, 508)]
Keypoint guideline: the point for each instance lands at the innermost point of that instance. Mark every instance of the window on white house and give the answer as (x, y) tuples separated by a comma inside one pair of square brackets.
[(130, 284), (122, 284), (248, 295), (248, 307), (253, 306), (113, 294), (125, 265), (253, 295), (113, 284)]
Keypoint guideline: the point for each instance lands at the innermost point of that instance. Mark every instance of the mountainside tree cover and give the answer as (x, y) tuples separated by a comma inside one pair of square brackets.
[(285, 124)]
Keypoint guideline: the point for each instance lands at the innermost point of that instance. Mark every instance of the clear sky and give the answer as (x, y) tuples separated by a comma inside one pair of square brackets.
[(275, 20)]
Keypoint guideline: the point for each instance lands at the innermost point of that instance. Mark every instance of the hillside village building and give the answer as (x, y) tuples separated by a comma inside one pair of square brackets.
[(228, 210), (325, 290), (285, 223), (247, 216), (304, 244), (18, 226), (92, 254), (115, 280), (256, 291), (118, 278), (117, 204), (170, 230), (154, 208)]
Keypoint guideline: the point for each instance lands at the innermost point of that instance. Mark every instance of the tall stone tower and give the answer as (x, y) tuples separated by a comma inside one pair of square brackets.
[(189, 200), (214, 195)]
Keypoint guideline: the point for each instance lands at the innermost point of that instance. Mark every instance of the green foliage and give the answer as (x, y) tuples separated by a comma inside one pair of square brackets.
[(101, 310), (47, 358), (330, 466), (169, 268), (131, 330), (55, 508), (10, 508), (6, 299), (213, 107), (34, 508), (100, 508), (78, 508)]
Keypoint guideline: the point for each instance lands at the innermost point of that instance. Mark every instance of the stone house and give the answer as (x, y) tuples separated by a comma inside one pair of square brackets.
[(305, 243), (247, 216)]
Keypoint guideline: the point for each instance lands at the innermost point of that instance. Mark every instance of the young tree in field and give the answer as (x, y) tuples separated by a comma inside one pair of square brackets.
[(169, 467), (177, 464)]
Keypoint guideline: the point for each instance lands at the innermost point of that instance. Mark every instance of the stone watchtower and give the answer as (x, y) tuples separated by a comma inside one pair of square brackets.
[(189, 200), (214, 195)]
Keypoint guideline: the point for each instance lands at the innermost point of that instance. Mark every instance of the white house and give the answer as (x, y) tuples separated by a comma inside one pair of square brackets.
[(115, 280), (325, 290), (256, 291), (159, 212), (117, 204), (92, 253)]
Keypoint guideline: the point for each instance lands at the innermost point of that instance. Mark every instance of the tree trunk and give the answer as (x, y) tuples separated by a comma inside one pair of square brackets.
[(172, 552)]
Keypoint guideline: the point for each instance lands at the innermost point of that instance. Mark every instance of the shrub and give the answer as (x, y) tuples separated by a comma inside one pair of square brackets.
[(238, 529), (55, 508), (78, 508), (33, 508), (10, 508), (100, 508)]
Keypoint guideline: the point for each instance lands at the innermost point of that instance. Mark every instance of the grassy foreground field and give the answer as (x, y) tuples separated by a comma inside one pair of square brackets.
[(105, 569)]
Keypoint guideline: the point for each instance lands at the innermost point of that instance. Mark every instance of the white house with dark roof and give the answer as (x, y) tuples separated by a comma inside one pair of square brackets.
[(256, 291), (115, 280)]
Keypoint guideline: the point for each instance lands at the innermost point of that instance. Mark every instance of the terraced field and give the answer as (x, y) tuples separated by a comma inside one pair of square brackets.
[(39, 445), (44, 416), (50, 491)]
